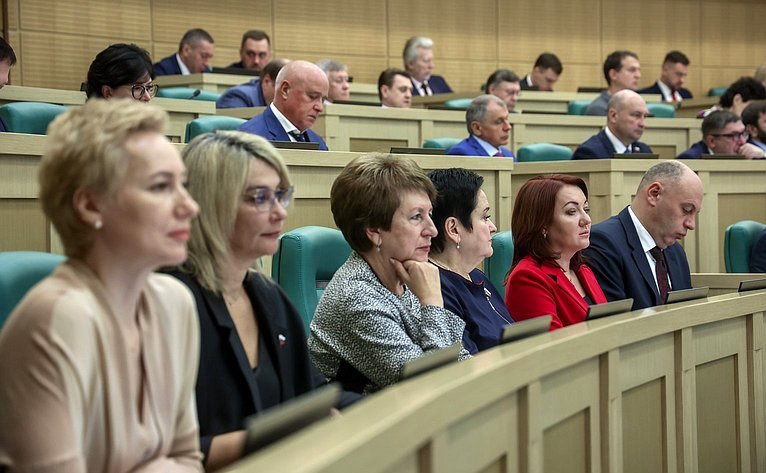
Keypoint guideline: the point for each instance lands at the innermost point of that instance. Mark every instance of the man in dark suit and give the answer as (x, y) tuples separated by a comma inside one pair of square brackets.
[(254, 51), (488, 129), (675, 68), (635, 253), (625, 120), (257, 92), (545, 73), (723, 133), (195, 51), (419, 62), (298, 100)]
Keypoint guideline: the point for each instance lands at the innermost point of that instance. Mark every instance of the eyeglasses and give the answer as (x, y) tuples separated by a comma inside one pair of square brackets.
[(264, 198), (742, 135), (138, 90)]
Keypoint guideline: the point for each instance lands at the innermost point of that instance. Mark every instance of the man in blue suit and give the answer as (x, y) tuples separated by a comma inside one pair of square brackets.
[(675, 68), (723, 133), (195, 51), (419, 62), (488, 129), (257, 92), (629, 250), (625, 121), (298, 100)]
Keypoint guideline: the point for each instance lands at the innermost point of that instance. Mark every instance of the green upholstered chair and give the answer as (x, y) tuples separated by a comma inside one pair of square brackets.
[(187, 93), (662, 110), (543, 152), (497, 265), (19, 271), (458, 104), (578, 107), (210, 123), (440, 143), (305, 262), (737, 242), (716, 91), (30, 117)]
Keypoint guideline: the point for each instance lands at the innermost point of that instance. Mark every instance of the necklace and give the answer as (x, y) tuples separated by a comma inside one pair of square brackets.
[(466, 276), (488, 295), (233, 296)]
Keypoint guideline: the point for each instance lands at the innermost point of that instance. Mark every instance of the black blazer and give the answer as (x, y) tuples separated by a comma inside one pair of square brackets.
[(598, 146), (655, 89), (226, 389)]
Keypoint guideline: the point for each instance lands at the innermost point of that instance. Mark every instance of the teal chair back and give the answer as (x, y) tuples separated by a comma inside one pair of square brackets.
[(737, 242), (577, 107), (440, 143), (30, 117), (716, 91), (19, 271), (497, 265), (187, 93), (662, 110), (305, 262), (210, 123), (458, 104), (543, 152)]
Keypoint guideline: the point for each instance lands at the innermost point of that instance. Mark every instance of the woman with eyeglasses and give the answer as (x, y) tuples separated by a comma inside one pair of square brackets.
[(253, 352), (121, 71)]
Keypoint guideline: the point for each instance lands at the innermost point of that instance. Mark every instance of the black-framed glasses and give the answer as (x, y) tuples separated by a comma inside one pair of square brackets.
[(138, 90), (733, 136), (264, 198)]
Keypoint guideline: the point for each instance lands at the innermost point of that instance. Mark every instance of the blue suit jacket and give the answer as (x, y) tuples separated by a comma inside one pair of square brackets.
[(655, 89), (248, 94), (437, 84), (758, 254), (616, 257), (267, 126), (598, 146), (169, 67), (471, 147), (695, 152)]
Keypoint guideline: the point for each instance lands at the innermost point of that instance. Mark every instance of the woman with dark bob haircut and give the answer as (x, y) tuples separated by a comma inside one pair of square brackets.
[(551, 227), (121, 71), (461, 214), (384, 306)]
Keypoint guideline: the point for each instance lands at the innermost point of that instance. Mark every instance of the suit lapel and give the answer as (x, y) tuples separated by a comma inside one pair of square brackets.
[(564, 285), (637, 253), (275, 128), (476, 146), (606, 143)]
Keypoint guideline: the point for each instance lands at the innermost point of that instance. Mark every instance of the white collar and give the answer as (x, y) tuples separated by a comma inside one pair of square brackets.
[(619, 147), (647, 242), (488, 148), (184, 70), (667, 94), (286, 124), (529, 80)]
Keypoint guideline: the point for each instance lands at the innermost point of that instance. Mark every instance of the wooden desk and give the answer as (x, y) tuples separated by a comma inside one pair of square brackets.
[(689, 108), (677, 388), (364, 93), (15, 93), (218, 83), (734, 191)]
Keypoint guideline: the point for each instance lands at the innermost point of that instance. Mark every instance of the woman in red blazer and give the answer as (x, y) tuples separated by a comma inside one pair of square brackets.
[(551, 227)]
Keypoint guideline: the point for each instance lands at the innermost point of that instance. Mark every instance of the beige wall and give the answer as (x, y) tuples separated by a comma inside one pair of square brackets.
[(57, 39)]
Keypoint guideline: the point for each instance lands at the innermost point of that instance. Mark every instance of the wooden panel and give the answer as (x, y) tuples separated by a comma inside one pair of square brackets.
[(105, 19), (440, 21), (364, 69), (566, 445), (348, 28), (730, 43), (24, 226), (453, 71), (524, 34), (717, 411), (735, 207), (723, 76), (643, 428)]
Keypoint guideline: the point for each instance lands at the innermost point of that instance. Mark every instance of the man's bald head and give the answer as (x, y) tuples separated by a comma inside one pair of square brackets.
[(625, 116), (300, 89)]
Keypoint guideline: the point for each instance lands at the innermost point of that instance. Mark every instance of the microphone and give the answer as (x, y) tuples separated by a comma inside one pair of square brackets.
[(194, 94)]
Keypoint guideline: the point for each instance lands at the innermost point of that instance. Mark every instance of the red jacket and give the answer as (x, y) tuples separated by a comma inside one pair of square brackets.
[(535, 289)]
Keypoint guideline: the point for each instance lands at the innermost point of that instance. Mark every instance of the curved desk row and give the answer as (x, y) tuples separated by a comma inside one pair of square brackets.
[(678, 388)]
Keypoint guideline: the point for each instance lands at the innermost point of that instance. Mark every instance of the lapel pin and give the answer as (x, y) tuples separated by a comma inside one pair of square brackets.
[(282, 340)]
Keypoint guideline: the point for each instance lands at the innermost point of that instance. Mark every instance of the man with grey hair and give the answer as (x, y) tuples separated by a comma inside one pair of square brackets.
[(298, 100), (488, 129), (337, 76), (195, 51), (504, 83), (723, 133), (625, 121), (635, 254), (418, 58)]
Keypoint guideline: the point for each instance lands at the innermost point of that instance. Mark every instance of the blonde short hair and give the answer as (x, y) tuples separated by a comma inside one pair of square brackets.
[(217, 166), (85, 150)]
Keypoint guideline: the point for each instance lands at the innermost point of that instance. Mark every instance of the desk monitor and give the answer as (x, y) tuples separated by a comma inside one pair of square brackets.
[(635, 156), (722, 156), (752, 285), (525, 328), (280, 421), (610, 308), (405, 150), (430, 361), (687, 294), (308, 145)]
